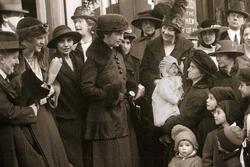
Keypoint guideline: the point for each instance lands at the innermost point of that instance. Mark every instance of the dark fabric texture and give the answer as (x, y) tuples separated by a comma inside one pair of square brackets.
[(43, 135), (71, 109)]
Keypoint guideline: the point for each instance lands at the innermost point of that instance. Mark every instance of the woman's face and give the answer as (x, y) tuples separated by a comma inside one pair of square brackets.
[(64, 45), (36, 43), (168, 33), (244, 89), (211, 102), (193, 72), (114, 39), (246, 36), (82, 26), (125, 46), (224, 60), (148, 27), (208, 37)]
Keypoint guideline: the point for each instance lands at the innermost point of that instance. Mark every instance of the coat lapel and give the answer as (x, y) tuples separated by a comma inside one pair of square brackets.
[(6, 87)]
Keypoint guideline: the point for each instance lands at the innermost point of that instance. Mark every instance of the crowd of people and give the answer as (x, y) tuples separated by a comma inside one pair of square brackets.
[(103, 97)]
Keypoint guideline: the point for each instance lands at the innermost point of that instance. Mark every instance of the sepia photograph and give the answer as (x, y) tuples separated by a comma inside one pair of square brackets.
[(124, 83)]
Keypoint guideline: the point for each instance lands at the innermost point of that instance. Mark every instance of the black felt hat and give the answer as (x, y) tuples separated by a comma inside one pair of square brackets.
[(61, 32), (112, 22), (204, 62), (238, 6)]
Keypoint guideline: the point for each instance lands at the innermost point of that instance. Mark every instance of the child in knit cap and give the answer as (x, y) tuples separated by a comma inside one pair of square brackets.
[(222, 145), (168, 91), (185, 147)]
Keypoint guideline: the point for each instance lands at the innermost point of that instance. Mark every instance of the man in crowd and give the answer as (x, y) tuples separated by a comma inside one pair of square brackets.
[(236, 17), (11, 12)]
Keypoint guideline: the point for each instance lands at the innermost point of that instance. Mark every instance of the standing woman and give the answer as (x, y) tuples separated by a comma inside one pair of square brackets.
[(85, 23), (43, 135), (148, 24), (103, 82), (244, 61), (208, 33), (69, 110), (200, 72)]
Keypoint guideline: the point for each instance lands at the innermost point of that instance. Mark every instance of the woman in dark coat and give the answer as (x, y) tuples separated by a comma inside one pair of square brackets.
[(104, 84), (15, 149), (193, 105), (30, 82), (228, 72), (148, 24), (69, 112), (170, 42)]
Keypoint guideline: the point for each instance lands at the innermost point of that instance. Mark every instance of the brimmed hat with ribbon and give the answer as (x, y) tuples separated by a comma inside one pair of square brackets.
[(31, 27), (238, 6), (84, 12), (12, 6), (9, 41), (146, 15), (208, 25), (112, 22), (61, 32), (227, 46), (204, 62)]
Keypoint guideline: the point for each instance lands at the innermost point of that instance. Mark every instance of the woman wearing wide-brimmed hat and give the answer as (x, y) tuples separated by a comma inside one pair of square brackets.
[(69, 113), (148, 24), (30, 82), (85, 23), (200, 72), (103, 82), (226, 53), (208, 33)]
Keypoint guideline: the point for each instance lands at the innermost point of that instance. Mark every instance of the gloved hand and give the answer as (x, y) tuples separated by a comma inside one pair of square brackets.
[(112, 97)]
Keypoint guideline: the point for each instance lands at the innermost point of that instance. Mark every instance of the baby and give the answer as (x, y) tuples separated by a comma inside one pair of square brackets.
[(168, 91), (185, 147)]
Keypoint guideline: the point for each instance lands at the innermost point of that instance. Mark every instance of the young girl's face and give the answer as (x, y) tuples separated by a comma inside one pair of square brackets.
[(185, 148), (211, 102), (173, 70), (219, 116), (244, 89)]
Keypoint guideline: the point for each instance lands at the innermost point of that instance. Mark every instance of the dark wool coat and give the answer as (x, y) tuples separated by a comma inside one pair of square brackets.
[(139, 45), (70, 111), (223, 79), (154, 53), (132, 70), (106, 126), (15, 149), (191, 115), (43, 135), (79, 52), (213, 157)]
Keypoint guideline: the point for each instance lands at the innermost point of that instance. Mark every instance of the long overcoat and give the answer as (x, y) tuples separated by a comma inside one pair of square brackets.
[(70, 111), (106, 126), (15, 149), (43, 135)]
